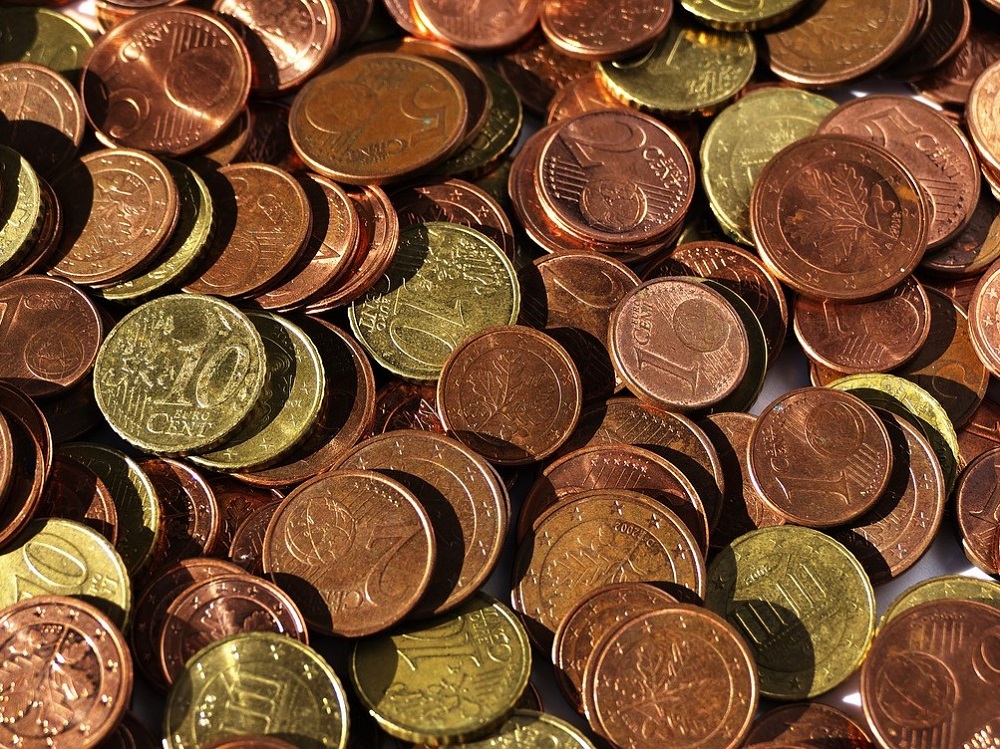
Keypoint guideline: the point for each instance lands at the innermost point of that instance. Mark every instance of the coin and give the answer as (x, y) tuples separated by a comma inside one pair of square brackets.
[(981, 433), (810, 724), (722, 15), (453, 678), (984, 318), (236, 501), (979, 113), (801, 601), (401, 405), (291, 689), (75, 492), (130, 734), (46, 37), (180, 373), (947, 587), (597, 31), (950, 82), (72, 415), (487, 26), (49, 234), (367, 561), (975, 248), (191, 519), (32, 460), (531, 726), (586, 94), (247, 547), (977, 511), (950, 23), (22, 206), (67, 656)]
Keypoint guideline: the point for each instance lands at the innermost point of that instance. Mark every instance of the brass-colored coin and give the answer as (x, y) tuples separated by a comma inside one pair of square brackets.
[(180, 373), (450, 679), (288, 406), (741, 16), (446, 283), (21, 208), (740, 141), (530, 728), (135, 499), (951, 587), (257, 683), (801, 601), (689, 71), (45, 37), (64, 558)]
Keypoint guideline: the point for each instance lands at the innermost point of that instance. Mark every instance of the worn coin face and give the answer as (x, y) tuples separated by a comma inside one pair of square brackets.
[(75, 492), (489, 25), (191, 519), (604, 31), (948, 587), (977, 511), (812, 724)]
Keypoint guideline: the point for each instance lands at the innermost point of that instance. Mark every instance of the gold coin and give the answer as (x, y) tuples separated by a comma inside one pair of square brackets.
[(730, 16), (801, 601), (952, 587), (689, 71), (446, 283), (289, 404), (453, 678), (742, 138), (180, 373), (529, 728), (135, 499), (21, 207), (45, 37), (64, 558), (259, 684)]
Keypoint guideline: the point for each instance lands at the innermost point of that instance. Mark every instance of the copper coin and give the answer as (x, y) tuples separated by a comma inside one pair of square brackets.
[(571, 297), (407, 113), (151, 608), (264, 222), (50, 333), (40, 254), (7, 459), (615, 176), (977, 509), (236, 502), (974, 248), (130, 734), (247, 547), (228, 146), (354, 549), (981, 433), (934, 150), (949, 22), (870, 336), (683, 650), (604, 31), (75, 492), (929, 678), (330, 249), (42, 116), (168, 81), (838, 218), (616, 467), (32, 451), (209, 610), (738, 270), (537, 70), (981, 115), (346, 416), (402, 405), (74, 413), (820, 457), (984, 318), (669, 435), (808, 724), (484, 26), (65, 671), (121, 207), (947, 365), (191, 520), (510, 393), (594, 538), (959, 290), (899, 528), (949, 85), (250, 742), (743, 508), (837, 41), (466, 502), (678, 344), (589, 621), (582, 95), (287, 41), (268, 140)]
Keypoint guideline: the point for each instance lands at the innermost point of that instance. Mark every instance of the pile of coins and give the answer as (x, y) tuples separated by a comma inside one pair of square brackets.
[(304, 328)]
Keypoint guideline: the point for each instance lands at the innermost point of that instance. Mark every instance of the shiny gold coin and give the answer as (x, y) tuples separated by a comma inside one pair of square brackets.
[(446, 283), (45, 37), (289, 404), (257, 684), (65, 558), (729, 16), (21, 208), (689, 71), (180, 373), (133, 494), (801, 601), (529, 728), (445, 680), (952, 587)]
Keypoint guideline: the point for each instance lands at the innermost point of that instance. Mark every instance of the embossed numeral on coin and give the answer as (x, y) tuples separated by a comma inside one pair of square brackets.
[(206, 378)]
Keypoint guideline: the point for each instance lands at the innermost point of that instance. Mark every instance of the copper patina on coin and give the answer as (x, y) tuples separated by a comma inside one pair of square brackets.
[(75, 492), (977, 509), (191, 520)]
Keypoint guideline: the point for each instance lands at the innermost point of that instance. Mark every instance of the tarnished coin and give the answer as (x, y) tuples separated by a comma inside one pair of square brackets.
[(29, 461), (980, 115), (191, 519), (236, 501), (537, 70), (489, 25), (977, 510), (247, 547), (75, 492), (974, 248), (604, 31), (478, 655), (949, 84), (809, 724), (981, 433), (984, 318), (403, 405), (180, 373)]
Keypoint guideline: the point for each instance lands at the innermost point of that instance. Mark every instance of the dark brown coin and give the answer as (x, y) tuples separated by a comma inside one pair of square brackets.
[(743, 509), (980, 119), (977, 509), (354, 549), (65, 671), (402, 405), (820, 457), (899, 528), (582, 95), (288, 40), (871, 336), (537, 70), (121, 207), (42, 116), (510, 393), (604, 31), (75, 492), (948, 23), (930, 675), (616, 467), (130, 734), (7, 458), (228, 146), (488, 25), (975, 247), (530, 700), (168, 81), (981, 433), (269, 140), (40, 254), (209, 610), (959, 290), (191, 520), (811, 725), (236, 502), (838, 218), (678, 344), (32, 452), (265, 221), (247, 548), (466, 502), (50, 333), (74, 413), (949, 85), (592, 619), (984, 318)]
